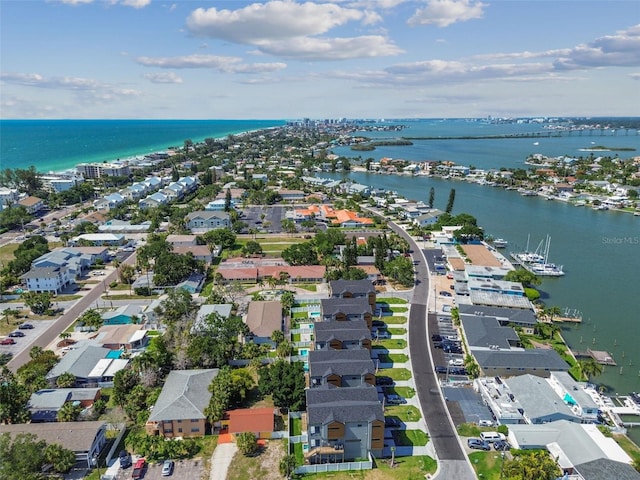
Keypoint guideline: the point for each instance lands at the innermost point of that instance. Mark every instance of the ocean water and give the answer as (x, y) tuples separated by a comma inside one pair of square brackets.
[(56, 145)]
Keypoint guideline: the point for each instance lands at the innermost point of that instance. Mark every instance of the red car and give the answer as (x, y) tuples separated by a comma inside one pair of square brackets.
[(138, 468), (8, 341)]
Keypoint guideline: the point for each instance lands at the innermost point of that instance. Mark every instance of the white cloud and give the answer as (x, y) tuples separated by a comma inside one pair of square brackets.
[(163, 77), (619, 50), (330, 49), (292, 30), (443, 13), (219, 63), (635, 76)]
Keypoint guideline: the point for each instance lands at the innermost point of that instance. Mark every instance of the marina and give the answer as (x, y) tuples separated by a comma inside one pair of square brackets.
[(537, 262)]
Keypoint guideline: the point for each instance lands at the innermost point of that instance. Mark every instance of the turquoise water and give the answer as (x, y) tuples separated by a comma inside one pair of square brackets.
[(55, 145)]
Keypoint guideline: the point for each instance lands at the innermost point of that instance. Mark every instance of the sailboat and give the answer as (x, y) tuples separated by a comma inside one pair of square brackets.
[(538, 261)]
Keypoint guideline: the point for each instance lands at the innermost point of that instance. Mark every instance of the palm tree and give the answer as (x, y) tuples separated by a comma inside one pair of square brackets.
[(590, 368)]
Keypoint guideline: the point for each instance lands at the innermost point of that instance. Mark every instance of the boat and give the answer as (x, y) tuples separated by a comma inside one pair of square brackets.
[(538, 262), (500, 243)]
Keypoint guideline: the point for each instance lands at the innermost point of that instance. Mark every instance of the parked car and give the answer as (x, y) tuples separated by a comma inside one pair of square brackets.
[(393, 399), (501, 445), (25, 326), (436, 338), (441, 369), (8, 341), (378, 323), (17, 334), (391, 422), (444, 293), (381, 335), (167, 468), (384, 381), (125, 459), (138, 469), (478, 444)]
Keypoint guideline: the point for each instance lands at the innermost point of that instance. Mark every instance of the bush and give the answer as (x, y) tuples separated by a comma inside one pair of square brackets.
[(532, 294), (503, 429), (142, 291), (113, 284), (247, 443)]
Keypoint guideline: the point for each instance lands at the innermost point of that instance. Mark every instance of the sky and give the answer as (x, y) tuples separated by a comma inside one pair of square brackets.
[(286, 59)]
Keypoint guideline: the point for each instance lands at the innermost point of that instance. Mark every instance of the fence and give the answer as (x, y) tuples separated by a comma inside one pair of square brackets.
[(335, 467)]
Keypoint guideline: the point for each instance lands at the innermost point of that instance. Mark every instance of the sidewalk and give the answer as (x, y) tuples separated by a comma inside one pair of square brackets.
[(221, 459)]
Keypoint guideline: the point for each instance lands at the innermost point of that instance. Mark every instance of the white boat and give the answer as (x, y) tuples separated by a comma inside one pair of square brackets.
[(500, 243), (538, 261)]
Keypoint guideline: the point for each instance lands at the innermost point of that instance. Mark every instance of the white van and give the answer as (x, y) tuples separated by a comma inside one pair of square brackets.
[(491, 437)]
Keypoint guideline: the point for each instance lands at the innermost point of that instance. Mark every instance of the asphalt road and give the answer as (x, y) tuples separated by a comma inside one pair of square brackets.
[(62, 323), (452, 459)]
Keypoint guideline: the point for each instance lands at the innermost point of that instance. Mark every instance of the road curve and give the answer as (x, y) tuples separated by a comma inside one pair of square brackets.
[(67, 319), (452, 459)]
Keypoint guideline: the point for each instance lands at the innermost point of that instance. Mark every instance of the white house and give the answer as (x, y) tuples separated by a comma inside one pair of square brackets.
[(203, 221), (46, 279)]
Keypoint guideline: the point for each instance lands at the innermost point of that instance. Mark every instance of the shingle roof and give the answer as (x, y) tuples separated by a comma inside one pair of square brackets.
[(605, 468), (486, 331), (340, 362), (354, 404), (80, 361), (184, 396), (355, 287), (264, 317), (538, 398), (531, 358), (347, 306), (75, 436), (343, 331), (515, 315)]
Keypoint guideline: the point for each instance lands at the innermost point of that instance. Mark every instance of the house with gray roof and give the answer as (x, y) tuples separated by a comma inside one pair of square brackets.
[(354, 289), (263, 318), (342, 335), (92, 365), (518, 317), (574, 394), (508, 363), (341, 368), (46, 279), (85, 439), (578, 448), (179, 410), (486, 333), (346, 309), (538, 400), (222, 309), (44, 404), (344, 423)]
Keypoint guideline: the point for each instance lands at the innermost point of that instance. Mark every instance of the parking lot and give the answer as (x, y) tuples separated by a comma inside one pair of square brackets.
[(266, 218), (39, 326), (184, 469)]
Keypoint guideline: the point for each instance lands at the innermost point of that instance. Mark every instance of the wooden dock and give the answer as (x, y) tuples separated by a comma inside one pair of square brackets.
[(602, 357)]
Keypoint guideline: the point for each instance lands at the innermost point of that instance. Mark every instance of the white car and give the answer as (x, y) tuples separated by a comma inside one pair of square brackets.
[(456, 362)]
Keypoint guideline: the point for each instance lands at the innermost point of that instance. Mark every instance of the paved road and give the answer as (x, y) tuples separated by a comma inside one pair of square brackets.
[(70, 316), (452, 459)]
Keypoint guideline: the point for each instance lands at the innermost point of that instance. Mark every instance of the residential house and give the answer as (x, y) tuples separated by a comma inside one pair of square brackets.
[(204, 221), (124, 226), (580, 450), (46, 279), (44, 405), (108, 201), (219, 205), (344, 424), (179, 410), (222, 309), (85, 439), (122, 337), (517, 317), (8, 196), (354, 289), (90, 364), (291, 195), (193, 283), (263, 318), (182, 240), (352, 335), (341, 368), (349, 219), (32, 204), (429, 218), (123, 315), (199, 252), (100, 239), (486, 333), (153, 201), (507, 363), (342, 309), (259, 421)]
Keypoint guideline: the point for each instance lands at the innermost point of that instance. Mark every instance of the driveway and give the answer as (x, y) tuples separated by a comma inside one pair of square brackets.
[(221, 459)]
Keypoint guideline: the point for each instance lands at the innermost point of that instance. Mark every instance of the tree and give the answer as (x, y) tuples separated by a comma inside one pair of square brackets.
[(277, 337), (216, 341), (287, 465), (91, 318), (39, 303), (13, 399), (300, 254), (61, 458), (247, 443), (534, 465), (590, 368), (227, 200), (432, 195), (69, 412), (285, 382), (525, 277), (400, 269), (452, 198), (126, 273), (252, 248), (228, 389), (222, 237), (123, 382), (21, 456), (66, 380)]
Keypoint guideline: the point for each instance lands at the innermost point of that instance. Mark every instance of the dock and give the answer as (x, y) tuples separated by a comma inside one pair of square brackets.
[(602, 357)]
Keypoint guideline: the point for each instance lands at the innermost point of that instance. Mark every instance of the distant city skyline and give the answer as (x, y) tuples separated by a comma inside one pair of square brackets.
[(285, 59)]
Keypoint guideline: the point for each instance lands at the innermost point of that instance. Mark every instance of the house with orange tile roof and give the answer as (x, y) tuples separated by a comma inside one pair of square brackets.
[(259, 421), (349, 219)]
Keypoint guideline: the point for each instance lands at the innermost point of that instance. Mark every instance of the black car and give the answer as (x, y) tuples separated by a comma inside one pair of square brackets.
[(378, 323), (391, 422), (441, 369), (25, 326), (16, 334), (501, 445), (384, 381), (125, 459), (436, 338)]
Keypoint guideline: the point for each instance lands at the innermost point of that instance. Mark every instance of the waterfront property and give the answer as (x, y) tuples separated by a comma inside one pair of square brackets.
[(538, 362)]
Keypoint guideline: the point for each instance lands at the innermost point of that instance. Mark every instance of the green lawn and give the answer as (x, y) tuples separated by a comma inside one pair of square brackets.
[(393, 358), (391, 344), (397, 331), (406, 392), (486, 464), (406, 413), (392, 300), (468, 430), (396, 373), (7, 252), (404, 468), (399, 309), (394, 320), (297, 452), (296, 426), (308, 286), (410, 438)]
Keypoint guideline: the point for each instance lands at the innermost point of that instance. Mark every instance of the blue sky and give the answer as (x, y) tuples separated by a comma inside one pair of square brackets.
[(288, 59)]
